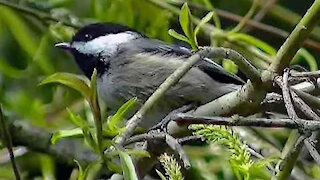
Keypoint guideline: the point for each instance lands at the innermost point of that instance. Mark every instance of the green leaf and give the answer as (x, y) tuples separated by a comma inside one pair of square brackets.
[(138, 153), (176, 35), (185, 20), (120, 114), (82, 174), (93, 84), (65, 133), (71, 80), (77, 120), (129, 172), (230, 66), (312, 62), (132, 152), (89, 138), (240, 37), (47, 165), (203, 21), (94, 103)]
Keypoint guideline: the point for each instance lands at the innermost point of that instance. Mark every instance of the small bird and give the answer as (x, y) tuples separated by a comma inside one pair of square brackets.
[(129, 64)]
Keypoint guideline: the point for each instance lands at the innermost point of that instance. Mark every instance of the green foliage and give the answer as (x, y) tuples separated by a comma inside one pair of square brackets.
[(66, 133), (242, 165), (111, 127), (83, 173), (304, 54), (171, 167), (203, 21), (186, 24), (128, 169), (76, 82)]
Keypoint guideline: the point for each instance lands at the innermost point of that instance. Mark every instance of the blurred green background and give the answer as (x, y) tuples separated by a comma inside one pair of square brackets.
[(28, 55)]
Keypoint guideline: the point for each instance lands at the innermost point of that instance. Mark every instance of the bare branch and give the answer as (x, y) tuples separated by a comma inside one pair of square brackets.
[(7, 140), (247, 121), (296, 38)]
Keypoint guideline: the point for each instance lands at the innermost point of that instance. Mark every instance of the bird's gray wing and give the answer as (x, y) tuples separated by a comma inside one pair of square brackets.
[(214, 70)]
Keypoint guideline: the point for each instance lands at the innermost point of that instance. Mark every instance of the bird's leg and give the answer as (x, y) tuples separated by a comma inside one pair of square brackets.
[(162, 125)]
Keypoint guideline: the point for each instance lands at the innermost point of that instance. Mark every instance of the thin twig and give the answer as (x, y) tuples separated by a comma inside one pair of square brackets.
[(312, 115), (294, 42), (309, 143), (38, 140), (289, 153), (246, 121), (261, 14), (170, 141), (313, 101), (245, 19), (289, 160), (315, 74), (286, 96), (8, 142), (299, 103)]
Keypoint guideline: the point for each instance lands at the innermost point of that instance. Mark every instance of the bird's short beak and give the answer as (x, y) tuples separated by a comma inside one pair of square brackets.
[(64, 45)]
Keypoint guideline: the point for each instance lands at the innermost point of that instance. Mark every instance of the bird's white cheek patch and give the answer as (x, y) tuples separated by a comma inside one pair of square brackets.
[(105, 45)]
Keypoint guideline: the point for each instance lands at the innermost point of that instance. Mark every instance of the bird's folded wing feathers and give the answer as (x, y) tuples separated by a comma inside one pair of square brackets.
[(214, 70)]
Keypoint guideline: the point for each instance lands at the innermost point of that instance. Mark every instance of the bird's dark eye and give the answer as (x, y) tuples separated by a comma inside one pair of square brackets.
[(87, 37)]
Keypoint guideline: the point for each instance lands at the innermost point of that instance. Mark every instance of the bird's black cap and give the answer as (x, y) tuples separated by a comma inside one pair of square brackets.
[(92, 31)]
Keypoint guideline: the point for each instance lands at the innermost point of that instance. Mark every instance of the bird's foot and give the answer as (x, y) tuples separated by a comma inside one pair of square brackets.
[(163, 124)]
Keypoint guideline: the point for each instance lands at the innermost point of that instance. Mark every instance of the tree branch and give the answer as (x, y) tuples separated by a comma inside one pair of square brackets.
[(7, 140), (293, 43), (66, 150), (247, 121)]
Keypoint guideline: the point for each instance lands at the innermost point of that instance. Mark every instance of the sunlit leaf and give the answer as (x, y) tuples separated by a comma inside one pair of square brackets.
[(185, 20), (90, 139), (71, 80), (80, 169), (128, 169), (176, 35), (66, 133), (138, 153), (309, 58), (203, 21), (132, 152), (121, 114), (76, 119), (82, 174), (47, 165), (230, 66), (93, 84)]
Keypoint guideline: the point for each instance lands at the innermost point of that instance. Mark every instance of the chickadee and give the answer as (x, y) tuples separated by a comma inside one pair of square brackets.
[(129, 64)]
